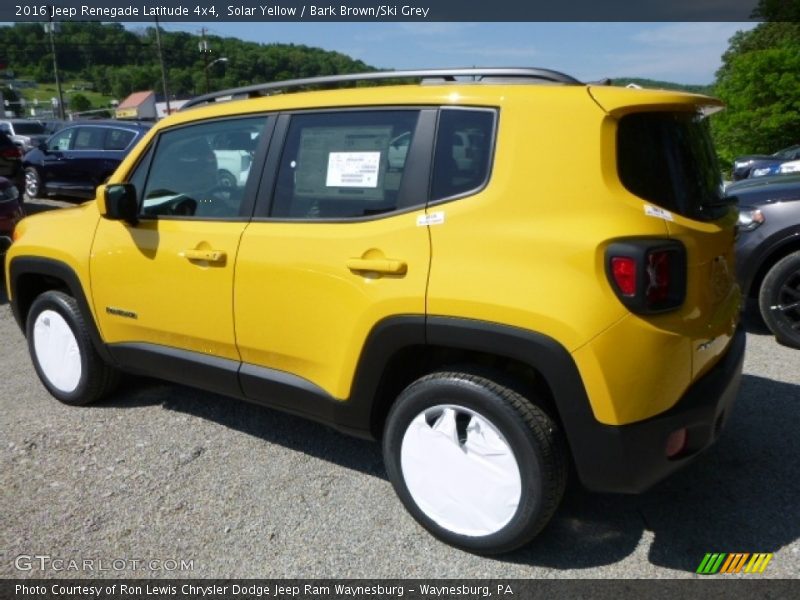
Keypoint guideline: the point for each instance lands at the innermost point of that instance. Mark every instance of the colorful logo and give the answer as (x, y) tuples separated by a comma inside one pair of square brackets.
[(721, 562)]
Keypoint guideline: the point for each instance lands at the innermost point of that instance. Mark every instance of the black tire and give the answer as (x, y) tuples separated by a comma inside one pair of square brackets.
[(91, 378), (532, 436), (779, 300), (33, 183)]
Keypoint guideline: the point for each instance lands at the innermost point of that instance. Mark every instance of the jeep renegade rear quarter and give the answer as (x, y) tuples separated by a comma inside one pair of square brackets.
[(494, 277)]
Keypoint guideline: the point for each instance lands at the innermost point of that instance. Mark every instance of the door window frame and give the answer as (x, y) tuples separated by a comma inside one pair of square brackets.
[(253, 181), (416, 171)]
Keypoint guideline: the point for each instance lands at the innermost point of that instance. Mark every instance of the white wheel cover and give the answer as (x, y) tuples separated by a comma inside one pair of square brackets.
[(57, 351), (470, 489)]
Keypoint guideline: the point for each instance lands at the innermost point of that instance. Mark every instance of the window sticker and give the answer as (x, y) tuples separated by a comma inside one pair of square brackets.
[(353, 169), (342, 162), (658, 213)]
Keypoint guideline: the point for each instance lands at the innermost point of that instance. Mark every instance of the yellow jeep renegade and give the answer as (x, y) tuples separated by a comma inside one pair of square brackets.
[(497, 272)]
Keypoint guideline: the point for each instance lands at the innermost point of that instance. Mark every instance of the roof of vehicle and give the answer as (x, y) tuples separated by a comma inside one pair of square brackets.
[(473, 75), (109, 123), (475, 87)]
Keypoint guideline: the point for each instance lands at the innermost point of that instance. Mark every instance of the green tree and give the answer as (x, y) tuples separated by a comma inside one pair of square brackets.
[(759, 80), (79, 103)]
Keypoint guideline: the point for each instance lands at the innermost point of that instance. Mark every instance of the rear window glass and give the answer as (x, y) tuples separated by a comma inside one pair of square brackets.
[(29, 128), (669, 159)]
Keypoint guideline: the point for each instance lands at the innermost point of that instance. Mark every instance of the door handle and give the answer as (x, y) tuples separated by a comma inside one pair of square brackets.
[(378, 265), (206, 255)]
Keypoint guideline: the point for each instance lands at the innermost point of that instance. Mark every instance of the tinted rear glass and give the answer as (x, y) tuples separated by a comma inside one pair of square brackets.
[(669, 160), (29, 128)]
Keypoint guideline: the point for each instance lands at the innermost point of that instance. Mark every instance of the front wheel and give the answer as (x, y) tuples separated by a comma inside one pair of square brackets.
[(33, 183), (62, 352), (477, 464), (779, 300)]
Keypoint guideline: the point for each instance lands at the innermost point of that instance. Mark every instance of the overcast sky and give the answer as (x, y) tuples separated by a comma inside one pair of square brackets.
[(678, 52)]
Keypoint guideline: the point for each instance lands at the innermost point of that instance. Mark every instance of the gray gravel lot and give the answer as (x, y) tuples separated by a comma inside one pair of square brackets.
[(166, 472)]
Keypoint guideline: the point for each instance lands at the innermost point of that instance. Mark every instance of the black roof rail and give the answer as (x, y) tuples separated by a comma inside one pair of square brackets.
[(262, 89)]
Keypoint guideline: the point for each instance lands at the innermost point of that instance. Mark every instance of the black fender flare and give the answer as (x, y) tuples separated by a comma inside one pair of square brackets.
[(31, 265)]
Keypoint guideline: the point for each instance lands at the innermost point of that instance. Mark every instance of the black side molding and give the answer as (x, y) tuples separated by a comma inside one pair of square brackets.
[(194, 369)]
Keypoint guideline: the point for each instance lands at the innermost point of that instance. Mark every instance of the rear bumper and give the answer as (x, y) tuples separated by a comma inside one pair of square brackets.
[(631, 458)]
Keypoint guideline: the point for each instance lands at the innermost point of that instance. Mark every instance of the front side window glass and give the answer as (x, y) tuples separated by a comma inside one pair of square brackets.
[(200, 170), (343, 165), (464, 141), (61, 141)]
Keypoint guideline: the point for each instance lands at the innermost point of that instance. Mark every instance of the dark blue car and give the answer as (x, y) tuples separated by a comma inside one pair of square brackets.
[(79, 157), (759, 165)]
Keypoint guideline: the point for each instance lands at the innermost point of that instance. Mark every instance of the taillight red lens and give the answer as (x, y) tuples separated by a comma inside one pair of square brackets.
[(648, 275), (658, 271), (623, 268), (11, 152)]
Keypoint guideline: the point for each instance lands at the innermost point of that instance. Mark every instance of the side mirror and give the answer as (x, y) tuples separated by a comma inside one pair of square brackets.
[(43, 147), (120, 203)]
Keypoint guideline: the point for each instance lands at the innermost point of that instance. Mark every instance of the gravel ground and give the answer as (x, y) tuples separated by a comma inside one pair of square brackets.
[(163, 472)]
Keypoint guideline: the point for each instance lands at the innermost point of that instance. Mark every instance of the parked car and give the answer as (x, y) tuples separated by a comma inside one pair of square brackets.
[(25, 133), (234, 153), (11, 162), (51, 126), (10, 212), (74, 161), (768, 250), (759, 165), (490, 322), (793, 166)]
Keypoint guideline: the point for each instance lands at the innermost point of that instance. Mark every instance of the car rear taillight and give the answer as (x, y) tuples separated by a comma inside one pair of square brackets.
[(11, 152), (648, 276), (623, 269)]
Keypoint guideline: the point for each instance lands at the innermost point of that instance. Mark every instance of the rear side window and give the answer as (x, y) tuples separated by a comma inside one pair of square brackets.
[(343, 165), (118, 139), (669, 160), (89, 138), (464, 141)]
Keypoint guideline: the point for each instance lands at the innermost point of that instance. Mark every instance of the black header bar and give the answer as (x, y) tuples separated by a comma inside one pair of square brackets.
[(365, 10), (727, 588)]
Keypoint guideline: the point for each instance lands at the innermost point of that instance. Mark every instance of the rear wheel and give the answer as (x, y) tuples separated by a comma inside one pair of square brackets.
[(779, 300), (33, 184), (63, 355), (476, 463)]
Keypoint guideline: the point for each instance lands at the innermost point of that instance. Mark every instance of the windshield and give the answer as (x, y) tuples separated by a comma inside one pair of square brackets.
[(669, 159), (30, 128), (790, 152)]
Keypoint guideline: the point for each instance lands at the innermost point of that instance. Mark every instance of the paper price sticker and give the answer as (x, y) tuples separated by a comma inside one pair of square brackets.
[(353, 169)]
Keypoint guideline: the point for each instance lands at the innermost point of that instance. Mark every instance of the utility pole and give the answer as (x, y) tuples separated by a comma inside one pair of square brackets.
[(163, 68), (204, 50), (51, 29)]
